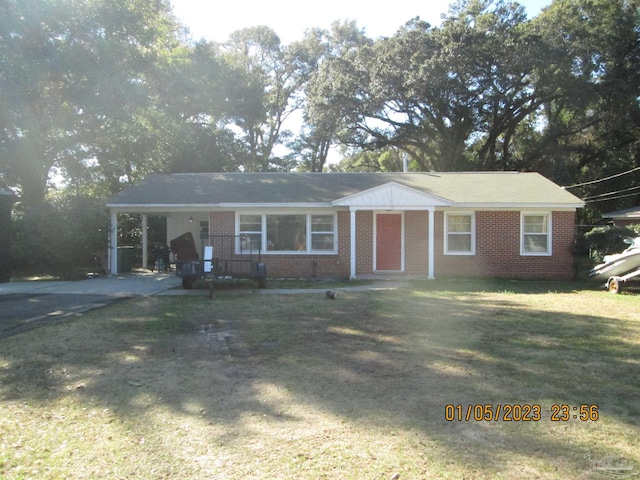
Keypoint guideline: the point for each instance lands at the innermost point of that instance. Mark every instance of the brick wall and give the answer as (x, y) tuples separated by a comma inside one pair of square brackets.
[(303, 265), (222, 223), (416, 243), (364, 242), (497, 248)]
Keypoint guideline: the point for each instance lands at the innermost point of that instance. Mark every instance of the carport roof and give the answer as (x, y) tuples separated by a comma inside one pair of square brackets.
[(490, 189)]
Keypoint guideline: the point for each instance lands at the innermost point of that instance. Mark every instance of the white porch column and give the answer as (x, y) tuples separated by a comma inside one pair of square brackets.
[(432, 236), (352, 239), (113, 248), (145, 242)]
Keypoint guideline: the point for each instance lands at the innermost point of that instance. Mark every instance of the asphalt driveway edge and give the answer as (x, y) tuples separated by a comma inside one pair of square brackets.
[(51, 318)]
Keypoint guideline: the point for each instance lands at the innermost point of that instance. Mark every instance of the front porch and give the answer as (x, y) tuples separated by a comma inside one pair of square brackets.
[(177, 223)]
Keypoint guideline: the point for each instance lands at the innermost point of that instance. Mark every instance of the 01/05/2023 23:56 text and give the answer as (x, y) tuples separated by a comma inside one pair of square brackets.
[(519, 412)]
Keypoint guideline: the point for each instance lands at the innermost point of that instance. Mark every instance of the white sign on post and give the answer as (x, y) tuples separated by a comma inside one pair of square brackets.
[(208, 256)]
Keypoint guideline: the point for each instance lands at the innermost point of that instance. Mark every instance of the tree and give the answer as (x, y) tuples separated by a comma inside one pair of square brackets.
[(418, 104), (198, 99), (490, 48), (327, 94), (75, 228), (452, 97), (387, 159), (592, 131), (263, 87), (35, 115), (80, 85), (80, 95)]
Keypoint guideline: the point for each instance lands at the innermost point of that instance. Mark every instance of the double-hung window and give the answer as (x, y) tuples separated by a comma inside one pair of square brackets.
[(322, 233), (250, 230), (290, 233), (535, 237), (460, 236)]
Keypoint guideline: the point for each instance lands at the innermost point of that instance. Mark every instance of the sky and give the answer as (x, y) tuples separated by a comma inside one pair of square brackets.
[(214, 20)]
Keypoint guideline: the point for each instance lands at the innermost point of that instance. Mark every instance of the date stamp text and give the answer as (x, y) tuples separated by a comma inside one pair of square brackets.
[(490, 412)]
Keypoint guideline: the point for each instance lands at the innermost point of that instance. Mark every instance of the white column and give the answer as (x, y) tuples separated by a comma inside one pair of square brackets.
[(352, 239), (432, 228), (145, 242), (113, 247)]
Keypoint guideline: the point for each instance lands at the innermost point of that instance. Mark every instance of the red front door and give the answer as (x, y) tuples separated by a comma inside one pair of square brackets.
[(389, 242)]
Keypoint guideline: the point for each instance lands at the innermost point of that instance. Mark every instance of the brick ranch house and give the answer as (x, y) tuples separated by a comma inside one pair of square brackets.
[(479, 224)]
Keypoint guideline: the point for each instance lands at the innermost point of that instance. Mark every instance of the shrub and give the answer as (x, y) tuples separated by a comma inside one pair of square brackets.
[(62, 238), (606, 240)]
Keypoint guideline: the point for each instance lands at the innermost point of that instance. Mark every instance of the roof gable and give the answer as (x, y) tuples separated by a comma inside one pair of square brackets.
[(391, 195)]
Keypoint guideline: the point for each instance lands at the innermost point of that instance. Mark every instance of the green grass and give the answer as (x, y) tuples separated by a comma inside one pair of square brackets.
[(275, 386)]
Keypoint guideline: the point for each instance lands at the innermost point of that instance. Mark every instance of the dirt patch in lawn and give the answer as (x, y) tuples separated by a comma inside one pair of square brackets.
[(254, 386)]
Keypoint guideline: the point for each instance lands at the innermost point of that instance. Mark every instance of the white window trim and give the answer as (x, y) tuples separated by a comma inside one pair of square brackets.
[(473, 233), (549, 234), (308, 215), (310, 233)]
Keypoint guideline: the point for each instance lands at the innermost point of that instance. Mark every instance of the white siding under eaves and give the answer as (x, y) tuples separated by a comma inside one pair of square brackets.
[(391, 196)]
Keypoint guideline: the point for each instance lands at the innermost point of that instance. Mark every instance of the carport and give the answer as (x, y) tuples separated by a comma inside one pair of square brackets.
[(180, 219)]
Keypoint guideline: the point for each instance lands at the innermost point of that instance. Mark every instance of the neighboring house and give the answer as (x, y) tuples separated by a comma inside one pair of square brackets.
[(622, 218), (479, 224)]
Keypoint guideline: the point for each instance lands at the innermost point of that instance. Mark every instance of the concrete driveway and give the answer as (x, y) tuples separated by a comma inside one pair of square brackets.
[(26, 305), (143, 283)]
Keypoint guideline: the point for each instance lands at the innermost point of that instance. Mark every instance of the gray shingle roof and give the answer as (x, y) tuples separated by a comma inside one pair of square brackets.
[(214, 189)]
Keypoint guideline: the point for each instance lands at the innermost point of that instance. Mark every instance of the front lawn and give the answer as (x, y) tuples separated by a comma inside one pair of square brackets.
[(300, 386)]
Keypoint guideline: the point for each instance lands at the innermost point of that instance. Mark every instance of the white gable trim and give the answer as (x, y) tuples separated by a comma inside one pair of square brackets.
[(391, 196)]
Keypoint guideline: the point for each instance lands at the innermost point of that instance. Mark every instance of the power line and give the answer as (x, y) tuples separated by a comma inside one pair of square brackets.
[(610, 198), (612, 193), (603, 179)]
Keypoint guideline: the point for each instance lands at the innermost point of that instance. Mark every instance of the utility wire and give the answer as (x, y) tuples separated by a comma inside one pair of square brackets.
[(610, 198), (603, 179), (612, 193)]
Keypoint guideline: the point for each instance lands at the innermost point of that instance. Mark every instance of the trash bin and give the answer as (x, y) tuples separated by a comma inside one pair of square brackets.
[(126, 256), (190, 272)]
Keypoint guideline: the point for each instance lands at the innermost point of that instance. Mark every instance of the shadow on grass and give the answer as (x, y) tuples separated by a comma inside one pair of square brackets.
[(391, 361)]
